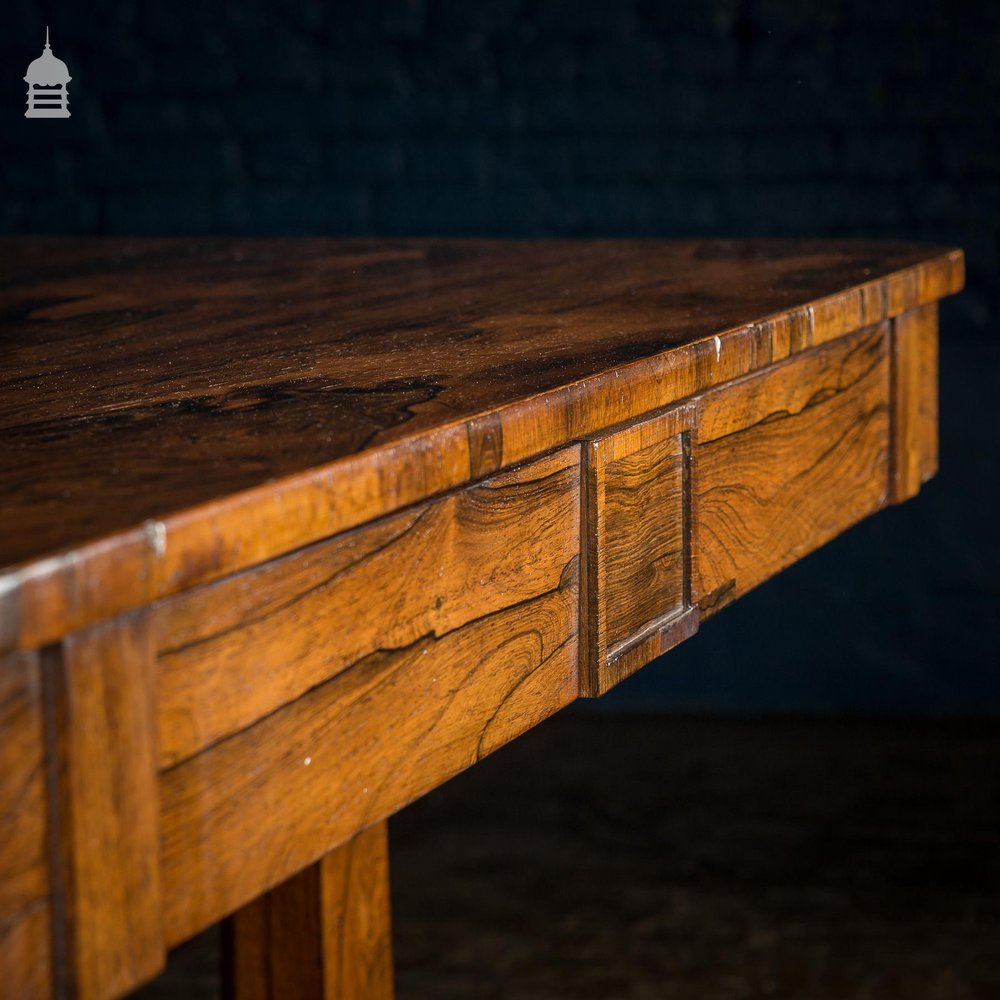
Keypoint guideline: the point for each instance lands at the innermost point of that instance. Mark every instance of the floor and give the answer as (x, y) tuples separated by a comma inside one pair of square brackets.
[(698, 860)]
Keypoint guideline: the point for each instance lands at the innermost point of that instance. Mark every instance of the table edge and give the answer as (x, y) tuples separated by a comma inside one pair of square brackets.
[(43, 599)]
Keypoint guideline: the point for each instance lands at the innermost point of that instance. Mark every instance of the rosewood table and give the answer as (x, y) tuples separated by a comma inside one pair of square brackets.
[(292, 531)]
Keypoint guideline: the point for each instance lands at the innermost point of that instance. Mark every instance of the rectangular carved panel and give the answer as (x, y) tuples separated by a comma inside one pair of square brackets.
[(25, 906), (783, 461), (637, 574), (443, 678)]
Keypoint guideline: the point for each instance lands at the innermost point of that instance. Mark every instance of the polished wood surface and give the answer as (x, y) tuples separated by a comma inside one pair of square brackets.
[(234, 651), (257, 805), (325, 934), (914, 391), (175, 410), (106, 807), (25, 879), (638, 577), (786, 459), (297, 530)]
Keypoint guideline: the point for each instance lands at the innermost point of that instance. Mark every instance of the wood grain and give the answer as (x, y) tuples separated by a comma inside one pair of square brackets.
[(25, 887), (304, 528), (234, 651), (357, 909), (107, 808), (325, 934), (784, 460), (659, 637), (636, 542), (914, 397), (247, 812), (174, 411)]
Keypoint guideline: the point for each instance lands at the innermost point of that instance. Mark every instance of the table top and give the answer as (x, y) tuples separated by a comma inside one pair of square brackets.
[(152, 387)]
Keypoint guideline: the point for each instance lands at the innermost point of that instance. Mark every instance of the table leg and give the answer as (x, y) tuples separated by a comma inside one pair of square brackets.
[(323, 935)]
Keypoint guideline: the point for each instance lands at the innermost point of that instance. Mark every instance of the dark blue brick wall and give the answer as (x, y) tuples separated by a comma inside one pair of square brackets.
[(541, 117), (721, 116)]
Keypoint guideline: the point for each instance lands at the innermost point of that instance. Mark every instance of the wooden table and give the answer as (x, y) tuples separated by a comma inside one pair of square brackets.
[(295, 530)]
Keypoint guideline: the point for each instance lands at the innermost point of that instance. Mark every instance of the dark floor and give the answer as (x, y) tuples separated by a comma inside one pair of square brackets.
[(710, 860)]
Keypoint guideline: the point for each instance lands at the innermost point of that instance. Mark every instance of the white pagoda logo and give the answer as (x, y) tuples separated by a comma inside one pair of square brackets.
[(47, 80)]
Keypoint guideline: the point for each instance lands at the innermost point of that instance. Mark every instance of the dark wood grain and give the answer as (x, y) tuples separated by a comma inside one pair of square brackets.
[(257, 806), (107, 813), (294, 531), (247, 813), (325, 934), (635, 543), (659, 637), (358, 917), (176, 410), (784, 460), (25, 884), (914, 400), (233, 651)]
